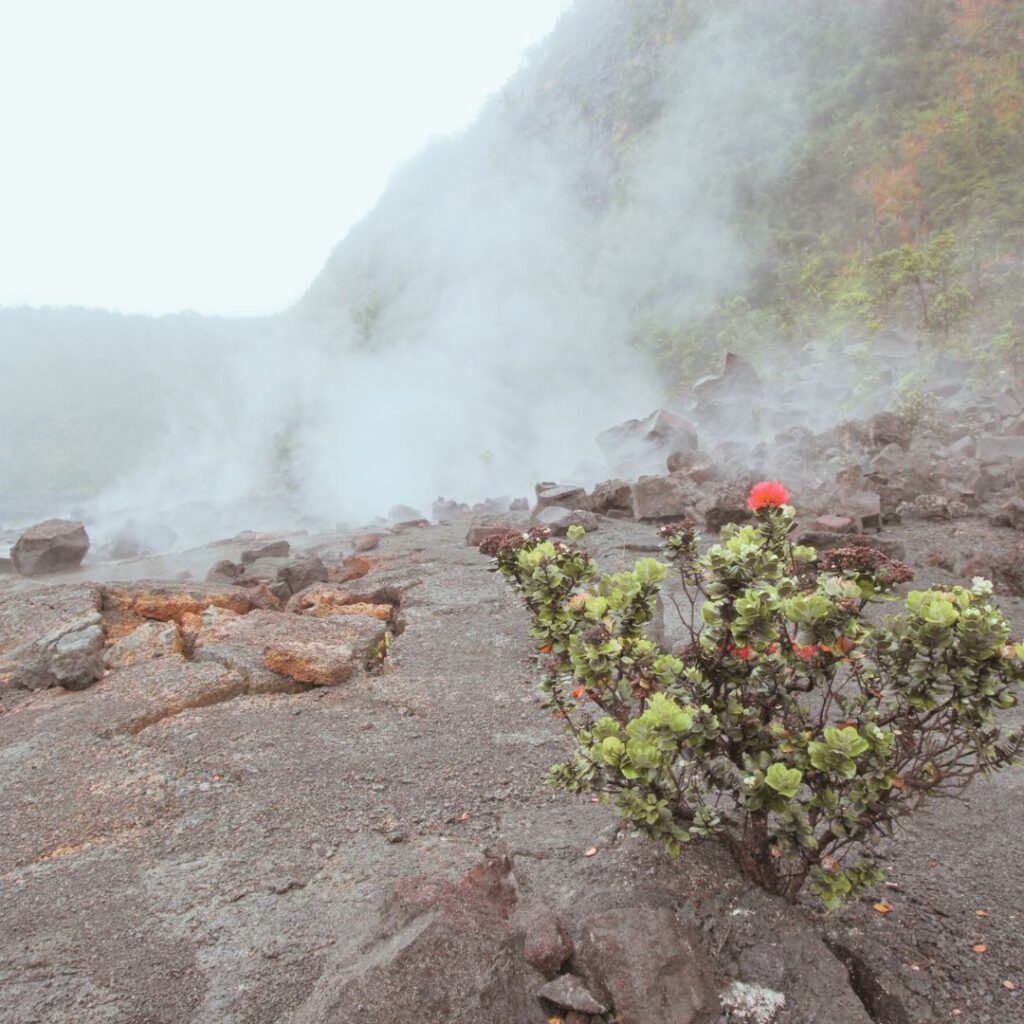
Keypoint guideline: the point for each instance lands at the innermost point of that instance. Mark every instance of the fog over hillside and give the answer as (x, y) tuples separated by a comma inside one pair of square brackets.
[(475, 331)]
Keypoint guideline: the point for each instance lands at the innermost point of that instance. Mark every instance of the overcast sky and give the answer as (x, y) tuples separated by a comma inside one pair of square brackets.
[(161, 155)]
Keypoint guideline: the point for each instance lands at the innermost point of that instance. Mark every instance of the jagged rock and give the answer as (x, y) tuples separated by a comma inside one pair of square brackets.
[(320, 651), (164, 601), (558, 520), (476, 535), (610, 497), (302, 572), (69, 656), (888, 461), (444, 510), (310, 661), (1010, 514), (965, 446), (724, 507), (273, 549), (648, 967), (355, 567), (137, 538), (559, 495), (737, 381), (322, 600), (492, 506), (56, 545), (545, 945), (642, 446), (570, 993), (225, 571), (695, 465), (519, 505), (148, 642), (864, 508), (661, 497), (889, 428), (410, 524), (442, 952)]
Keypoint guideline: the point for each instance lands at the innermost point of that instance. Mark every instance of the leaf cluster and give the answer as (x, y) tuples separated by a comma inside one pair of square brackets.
[(788, 724)]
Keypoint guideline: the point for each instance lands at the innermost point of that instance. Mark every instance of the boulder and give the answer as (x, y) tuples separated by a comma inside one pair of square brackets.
[(889, 428), (697, 466), (444, 510), (148, 642), (274, 549), (737, 381), (323, 600), (545, 944), (661, 497), (164, 601), (725, 506), (1011, 514), (56, 545), (70, 656), (558, 520), (864, 508), (443, 952), (648, 967), (568, 992), (225, 571), (643, 446), (559, 495), (317, 651), (302, 572), (611, 497)]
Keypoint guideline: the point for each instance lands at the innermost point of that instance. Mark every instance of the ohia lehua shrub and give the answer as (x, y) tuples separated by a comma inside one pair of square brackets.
[(788, 723)]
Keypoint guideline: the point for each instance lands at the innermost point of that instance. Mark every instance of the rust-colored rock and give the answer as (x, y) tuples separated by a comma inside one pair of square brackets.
[(165, 602), (316, 662), (322, 600), (355, 567), (148, 642), (265, 645), (545, 945)]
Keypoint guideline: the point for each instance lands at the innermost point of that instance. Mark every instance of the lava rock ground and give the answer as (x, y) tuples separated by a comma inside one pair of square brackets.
[(177, 848)]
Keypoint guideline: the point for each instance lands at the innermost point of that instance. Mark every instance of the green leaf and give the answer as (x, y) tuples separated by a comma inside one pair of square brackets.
[(785, 781)]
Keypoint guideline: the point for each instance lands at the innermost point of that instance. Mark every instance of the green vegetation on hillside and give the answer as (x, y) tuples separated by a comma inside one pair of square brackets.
[(904, 207)]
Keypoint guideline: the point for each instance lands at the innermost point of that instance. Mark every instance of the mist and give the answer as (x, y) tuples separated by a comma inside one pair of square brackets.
[(471, 335)]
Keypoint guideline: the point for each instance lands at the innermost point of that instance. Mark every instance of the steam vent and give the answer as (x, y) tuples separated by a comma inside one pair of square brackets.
[(512, 513)]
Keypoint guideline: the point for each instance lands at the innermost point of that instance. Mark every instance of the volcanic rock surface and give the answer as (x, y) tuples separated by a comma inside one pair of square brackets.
[(199, 836)]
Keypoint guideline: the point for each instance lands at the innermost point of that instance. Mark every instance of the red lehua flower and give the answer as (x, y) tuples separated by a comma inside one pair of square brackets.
[(578, 692), (806, 653), (767, 493), (743, 653)]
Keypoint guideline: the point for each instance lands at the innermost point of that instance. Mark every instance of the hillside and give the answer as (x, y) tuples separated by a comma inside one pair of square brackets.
[(661, 181)]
